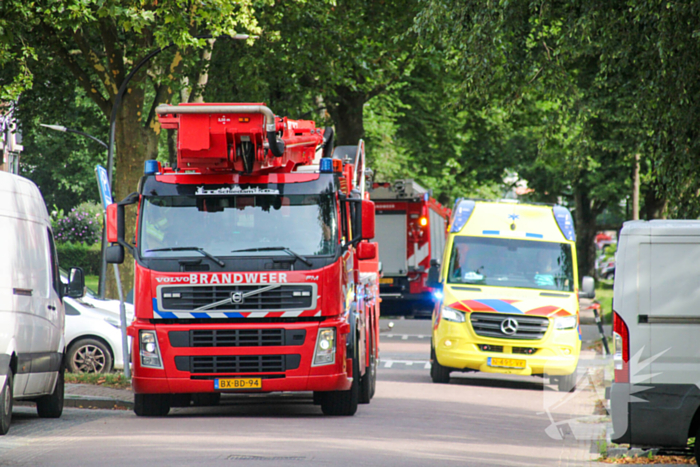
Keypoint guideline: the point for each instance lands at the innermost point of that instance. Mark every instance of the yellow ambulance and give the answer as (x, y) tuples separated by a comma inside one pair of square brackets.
[(508, 290)]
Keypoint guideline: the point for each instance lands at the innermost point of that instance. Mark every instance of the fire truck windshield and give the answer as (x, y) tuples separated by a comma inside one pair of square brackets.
[(305, 224)]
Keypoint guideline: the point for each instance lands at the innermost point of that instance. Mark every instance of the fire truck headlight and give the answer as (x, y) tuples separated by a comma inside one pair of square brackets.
[(325, 347), (150, 353)]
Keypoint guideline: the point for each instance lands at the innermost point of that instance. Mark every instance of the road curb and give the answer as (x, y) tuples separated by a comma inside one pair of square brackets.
[(90, 402)]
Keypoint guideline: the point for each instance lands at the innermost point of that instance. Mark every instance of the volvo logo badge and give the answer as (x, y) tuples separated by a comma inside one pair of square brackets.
[(237, 297), (509, 326)]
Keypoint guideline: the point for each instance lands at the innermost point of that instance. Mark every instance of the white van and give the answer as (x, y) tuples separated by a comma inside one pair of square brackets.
[(31, 307), (655, 399)]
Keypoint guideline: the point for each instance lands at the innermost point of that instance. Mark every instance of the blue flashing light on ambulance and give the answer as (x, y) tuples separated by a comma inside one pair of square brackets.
[(508, 293)]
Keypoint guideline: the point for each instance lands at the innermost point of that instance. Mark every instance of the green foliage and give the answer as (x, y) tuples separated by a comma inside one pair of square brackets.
[(81, 225), (80, 255)]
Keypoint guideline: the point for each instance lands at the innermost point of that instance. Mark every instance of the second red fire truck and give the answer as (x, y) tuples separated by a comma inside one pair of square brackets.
[(411, 229), (253, 267)]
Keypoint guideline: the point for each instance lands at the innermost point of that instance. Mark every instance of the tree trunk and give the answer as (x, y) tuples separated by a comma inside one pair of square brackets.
[(346, 111), (586, 229), (134, 145), (655, 204)]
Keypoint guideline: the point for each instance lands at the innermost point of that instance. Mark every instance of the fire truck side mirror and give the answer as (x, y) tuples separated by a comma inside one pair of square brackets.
[(366, 251), (114, 254), (433, 279), (367, 219)]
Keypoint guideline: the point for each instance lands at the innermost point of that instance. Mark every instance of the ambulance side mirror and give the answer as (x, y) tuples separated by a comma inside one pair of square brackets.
[(114, 254), (367, 219), (587, 288)]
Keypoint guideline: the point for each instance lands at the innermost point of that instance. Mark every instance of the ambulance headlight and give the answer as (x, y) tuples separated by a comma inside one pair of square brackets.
[(450, 314), (566, 322), (325, 347), (149, 351)]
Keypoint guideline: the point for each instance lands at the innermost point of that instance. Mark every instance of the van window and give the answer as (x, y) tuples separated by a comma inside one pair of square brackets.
[(55, 278), (503, 262)]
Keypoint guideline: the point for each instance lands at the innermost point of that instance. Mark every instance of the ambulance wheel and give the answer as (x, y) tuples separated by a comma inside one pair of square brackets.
[(206, 399), (567, 383), (51, 406), (151, 405), (438, 373), (6, 404), (343, 403), (369, 380)]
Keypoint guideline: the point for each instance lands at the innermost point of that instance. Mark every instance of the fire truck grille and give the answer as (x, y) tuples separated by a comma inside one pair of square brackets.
[(509, 326), (236, 337), (238, 363), (241, 297)]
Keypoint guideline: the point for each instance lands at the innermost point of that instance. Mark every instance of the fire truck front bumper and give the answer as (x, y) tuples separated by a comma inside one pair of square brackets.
[(241, 357)]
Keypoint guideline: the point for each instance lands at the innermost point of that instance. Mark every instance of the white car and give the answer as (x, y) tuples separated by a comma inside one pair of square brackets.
[(93, 334)]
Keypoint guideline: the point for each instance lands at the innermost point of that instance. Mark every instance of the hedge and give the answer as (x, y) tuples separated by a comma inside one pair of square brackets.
[(79, 255)]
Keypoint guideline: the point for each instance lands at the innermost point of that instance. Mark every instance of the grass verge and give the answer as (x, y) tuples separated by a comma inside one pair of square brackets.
[(604, 295), (110, 380), (93, 282)]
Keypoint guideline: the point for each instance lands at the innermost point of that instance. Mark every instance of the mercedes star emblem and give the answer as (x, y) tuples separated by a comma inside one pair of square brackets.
[(509, 326)]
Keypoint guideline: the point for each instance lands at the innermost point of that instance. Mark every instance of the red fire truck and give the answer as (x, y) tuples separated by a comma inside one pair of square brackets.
[(253, 269), (411, 228)]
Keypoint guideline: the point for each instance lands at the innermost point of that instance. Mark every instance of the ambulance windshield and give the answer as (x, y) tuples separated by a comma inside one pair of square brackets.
[(504, 262), (220, 223)]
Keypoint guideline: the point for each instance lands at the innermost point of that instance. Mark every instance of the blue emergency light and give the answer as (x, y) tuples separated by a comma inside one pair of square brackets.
[(326, 166), (565, 221), (150, 167), (462, 211)]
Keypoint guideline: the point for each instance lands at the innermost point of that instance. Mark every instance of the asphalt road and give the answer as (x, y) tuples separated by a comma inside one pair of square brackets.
[(476, 420)]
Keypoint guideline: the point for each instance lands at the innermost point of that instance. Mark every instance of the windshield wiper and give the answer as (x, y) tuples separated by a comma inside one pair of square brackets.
[(192, 248), (276, 248)]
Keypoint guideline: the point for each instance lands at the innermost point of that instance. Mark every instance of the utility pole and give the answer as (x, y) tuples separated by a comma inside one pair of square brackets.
[(635, 189)]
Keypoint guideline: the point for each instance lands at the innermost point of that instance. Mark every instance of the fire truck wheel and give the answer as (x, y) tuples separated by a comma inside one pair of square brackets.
[(438, 373), (369, 380), (51, 406), (6, 404), (151, 405), (206, 399), (567, 383), (344, 402)]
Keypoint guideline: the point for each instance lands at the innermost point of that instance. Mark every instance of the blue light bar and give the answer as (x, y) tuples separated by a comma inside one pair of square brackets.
[(326, 166), (565, 221), (150, 167), (463, 210)]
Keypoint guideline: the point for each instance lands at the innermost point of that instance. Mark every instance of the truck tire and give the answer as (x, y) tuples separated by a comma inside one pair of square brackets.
[(344, 403), (51, 406), (368, 382), (438, 373), (206, 399), (151, 405), (6, 404), (567, 383)]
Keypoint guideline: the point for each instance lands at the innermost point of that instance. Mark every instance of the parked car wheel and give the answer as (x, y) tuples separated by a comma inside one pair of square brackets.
[(6, 405), (89, 356)]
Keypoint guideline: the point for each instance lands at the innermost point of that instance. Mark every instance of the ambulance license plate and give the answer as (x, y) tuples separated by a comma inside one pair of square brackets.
[(238, 383), (386, 280), (506, 363)]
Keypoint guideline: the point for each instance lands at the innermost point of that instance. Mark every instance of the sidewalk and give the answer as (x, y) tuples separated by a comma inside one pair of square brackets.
[(93, 396)]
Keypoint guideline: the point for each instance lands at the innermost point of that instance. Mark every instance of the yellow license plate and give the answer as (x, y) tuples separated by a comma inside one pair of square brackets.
[(506, 362), (386, 280), (238, 383)]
